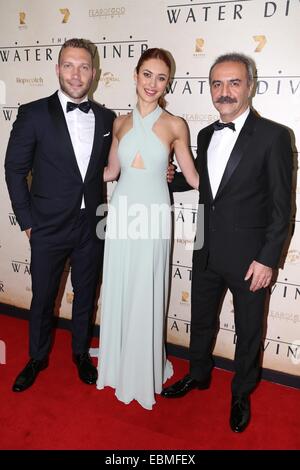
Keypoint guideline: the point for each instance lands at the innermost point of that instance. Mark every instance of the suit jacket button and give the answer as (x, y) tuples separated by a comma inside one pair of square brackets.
[(213, 207)]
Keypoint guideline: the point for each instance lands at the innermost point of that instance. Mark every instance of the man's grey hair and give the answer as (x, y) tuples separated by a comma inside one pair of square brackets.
[(240, 58)]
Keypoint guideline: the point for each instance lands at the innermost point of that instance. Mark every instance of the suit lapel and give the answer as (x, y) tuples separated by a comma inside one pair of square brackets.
[(237, 151), (98, 140), (63, 136), (202, 150)]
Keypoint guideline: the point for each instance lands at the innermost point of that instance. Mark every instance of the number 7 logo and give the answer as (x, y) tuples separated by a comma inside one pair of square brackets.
[(66, 13), (261, 42)]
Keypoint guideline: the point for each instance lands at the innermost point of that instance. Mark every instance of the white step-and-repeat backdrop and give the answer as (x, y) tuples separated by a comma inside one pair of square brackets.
[(195, 32)]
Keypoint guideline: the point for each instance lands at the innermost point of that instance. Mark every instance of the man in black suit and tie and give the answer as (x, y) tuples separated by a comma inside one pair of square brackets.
[(64, 141), (245, 167)]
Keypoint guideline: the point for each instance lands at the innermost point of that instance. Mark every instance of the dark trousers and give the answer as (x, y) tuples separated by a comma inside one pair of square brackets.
[(208, 288), (48, 258)]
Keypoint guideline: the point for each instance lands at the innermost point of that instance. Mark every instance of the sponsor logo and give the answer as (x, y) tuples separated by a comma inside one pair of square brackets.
[(33, 81), (66, 14), (200, 118), (107, 12), (199, 47), (108, 78), (293, 256), (284, 316), (22, 16), (22, 20), (261, 42)]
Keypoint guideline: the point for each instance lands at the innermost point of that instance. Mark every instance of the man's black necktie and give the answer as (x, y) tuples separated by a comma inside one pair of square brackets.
[(85, 106), (220, 125)]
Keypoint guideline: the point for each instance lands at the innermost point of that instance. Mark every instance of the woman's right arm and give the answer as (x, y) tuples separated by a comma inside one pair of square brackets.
[(183, 153), (112, 170)]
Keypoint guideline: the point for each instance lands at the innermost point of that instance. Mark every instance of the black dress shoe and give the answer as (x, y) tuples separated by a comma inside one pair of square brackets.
[(28, 375), (240, 413), (86, 370), (183, 386)]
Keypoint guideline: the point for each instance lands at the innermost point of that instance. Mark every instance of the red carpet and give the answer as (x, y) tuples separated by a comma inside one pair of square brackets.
[(60, 412)]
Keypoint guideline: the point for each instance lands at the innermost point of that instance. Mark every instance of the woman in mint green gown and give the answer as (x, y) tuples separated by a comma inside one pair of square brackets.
[(135, 286)]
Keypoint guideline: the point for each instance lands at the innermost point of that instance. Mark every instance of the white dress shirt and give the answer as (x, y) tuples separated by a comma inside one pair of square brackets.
[(219, 150), (81, 128)]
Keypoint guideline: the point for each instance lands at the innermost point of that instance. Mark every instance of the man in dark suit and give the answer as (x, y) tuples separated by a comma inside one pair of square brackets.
[(245, 167), (64, 141)]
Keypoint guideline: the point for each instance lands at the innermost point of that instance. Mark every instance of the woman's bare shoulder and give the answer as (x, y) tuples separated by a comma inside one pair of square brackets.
[(177, 123), (121, 121)]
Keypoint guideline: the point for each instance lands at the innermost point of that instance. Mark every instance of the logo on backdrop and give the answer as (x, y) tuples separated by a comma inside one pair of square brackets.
[(22, 23), (31, 81), (108, 79), (66, 14), (284, 317), (207, 12), (185, 296), (22, 16), (1, 287), (107, 13), (293, 257), (262, 40), (205, 119), (199, 47)]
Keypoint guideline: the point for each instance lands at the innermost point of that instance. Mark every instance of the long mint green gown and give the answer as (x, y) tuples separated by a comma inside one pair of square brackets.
[(135, 286)]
